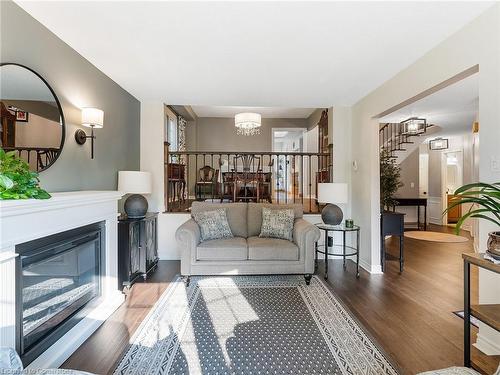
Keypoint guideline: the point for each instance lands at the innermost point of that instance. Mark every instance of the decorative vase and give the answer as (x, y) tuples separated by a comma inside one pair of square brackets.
[(494, 243)]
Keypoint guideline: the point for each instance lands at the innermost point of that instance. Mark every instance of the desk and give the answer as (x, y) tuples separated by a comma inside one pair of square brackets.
[(418, 202)]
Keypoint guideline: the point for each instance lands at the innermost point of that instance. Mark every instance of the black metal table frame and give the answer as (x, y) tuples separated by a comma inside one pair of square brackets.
[(414, 202), (467, 312), (344, 255)]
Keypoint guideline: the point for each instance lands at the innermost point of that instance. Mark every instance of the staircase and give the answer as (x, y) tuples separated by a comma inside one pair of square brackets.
[(400, 145)]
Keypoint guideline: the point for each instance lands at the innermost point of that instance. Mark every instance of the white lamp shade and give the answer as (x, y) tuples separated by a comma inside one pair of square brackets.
[(332, 192), (134, 182), (92, 117)]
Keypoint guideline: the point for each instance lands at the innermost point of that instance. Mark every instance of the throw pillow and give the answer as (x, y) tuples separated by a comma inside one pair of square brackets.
[(213, 224), (277, 223)]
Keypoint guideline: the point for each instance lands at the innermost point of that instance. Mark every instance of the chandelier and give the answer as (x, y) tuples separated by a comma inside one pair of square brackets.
[(247, 123), (414, 126)]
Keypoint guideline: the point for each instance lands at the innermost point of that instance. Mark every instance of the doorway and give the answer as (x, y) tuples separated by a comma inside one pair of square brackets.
[(452, 179), (288, 174)]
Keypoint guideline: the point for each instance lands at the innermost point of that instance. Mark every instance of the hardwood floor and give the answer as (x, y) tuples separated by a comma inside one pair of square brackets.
[(101, 352), (409, 314)]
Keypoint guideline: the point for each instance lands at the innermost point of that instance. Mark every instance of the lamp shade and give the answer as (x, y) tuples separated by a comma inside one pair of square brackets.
[(92, 117), (332, 192), (134, 182)]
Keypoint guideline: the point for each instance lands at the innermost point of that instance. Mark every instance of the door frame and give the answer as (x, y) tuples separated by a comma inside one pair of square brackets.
[(444, 179)]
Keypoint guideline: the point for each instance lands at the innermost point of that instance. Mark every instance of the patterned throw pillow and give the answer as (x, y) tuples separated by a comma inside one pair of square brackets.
[(213, 224), (277, 223)]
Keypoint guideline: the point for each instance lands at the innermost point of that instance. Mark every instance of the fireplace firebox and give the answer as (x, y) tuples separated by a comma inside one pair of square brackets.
[(57, 278)]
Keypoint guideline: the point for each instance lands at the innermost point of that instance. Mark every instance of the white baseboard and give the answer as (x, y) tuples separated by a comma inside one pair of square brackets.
[(486, 345), (371, 268), (55, 356)]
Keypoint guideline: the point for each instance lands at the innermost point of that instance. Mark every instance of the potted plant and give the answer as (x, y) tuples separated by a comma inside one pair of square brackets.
[(485, 200), (16, 179), (390, 180)]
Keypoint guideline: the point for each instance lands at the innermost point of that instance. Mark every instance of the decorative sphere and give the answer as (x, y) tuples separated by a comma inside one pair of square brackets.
[(136, 206), (332, 214)]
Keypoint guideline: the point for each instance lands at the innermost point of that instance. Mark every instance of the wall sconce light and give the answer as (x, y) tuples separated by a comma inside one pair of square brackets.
[(91, 118), (438, 144)]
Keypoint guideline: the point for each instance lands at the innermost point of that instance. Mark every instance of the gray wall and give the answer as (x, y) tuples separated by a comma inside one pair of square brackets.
[(217, 133), (314, 118), (77, 84), (409, 174)]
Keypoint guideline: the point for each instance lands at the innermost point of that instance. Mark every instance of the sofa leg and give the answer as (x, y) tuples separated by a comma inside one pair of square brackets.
[(308, 278), (187, 280)]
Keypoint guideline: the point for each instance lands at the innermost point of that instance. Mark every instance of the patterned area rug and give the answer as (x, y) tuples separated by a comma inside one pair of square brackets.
[(251, 325)]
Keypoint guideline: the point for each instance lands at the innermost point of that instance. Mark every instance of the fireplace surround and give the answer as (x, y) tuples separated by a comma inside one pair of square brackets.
[(27, 222), (57, 279)]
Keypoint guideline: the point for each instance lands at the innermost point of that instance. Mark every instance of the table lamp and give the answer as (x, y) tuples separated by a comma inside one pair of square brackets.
[(331, 193), (135, 183)]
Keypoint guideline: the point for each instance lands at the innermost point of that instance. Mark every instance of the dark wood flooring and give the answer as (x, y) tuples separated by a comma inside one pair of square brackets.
[(409, 314)]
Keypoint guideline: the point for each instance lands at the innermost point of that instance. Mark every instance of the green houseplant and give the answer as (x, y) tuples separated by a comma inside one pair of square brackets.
[(390, 180), (16, 179), (485, 204)]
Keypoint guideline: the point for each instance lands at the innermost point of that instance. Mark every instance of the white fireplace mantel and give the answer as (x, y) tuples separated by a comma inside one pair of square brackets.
[(26, 220)]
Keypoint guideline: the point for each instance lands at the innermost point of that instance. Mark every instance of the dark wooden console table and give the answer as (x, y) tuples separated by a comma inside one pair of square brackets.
[(137, 248), (488, 314), (418, 202), (392, 224)]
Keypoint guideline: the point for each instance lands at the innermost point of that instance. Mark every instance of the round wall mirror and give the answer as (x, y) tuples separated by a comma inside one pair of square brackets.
[(32, 121)]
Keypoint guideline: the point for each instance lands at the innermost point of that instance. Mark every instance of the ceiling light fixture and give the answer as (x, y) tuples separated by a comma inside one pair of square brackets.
[(247, 123), (438, 144), (414, 126)]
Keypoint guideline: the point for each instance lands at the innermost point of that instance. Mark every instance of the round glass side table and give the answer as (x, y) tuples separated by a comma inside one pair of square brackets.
[(342, 250)]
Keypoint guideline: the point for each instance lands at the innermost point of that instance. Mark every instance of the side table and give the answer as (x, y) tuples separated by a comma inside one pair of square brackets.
[(347, 250)]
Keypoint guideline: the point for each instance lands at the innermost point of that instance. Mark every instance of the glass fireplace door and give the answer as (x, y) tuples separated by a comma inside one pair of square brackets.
[(57, 280)]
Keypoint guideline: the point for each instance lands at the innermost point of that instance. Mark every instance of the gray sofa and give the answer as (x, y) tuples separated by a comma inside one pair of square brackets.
[(247, 253)]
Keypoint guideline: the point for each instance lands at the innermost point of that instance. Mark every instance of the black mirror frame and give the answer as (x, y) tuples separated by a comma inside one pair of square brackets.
[(61, 113)]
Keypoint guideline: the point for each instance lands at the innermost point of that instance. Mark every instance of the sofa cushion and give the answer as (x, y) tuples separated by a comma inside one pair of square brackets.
[(255, 215), (277, 223), (213, 224), (224, 249), (271, 249), (236, 215)]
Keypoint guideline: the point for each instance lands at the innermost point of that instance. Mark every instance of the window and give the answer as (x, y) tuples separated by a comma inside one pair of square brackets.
[(171, 130)]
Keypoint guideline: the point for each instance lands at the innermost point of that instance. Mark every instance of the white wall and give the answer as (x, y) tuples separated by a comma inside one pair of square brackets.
[(152, 129), (477, 43)]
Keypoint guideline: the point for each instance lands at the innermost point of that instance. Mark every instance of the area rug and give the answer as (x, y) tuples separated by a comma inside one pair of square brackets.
[(435, 236), (251, 325)]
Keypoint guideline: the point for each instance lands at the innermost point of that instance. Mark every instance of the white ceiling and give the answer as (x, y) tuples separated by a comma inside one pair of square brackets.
[(270, 54), (453, 108), (265, 112)]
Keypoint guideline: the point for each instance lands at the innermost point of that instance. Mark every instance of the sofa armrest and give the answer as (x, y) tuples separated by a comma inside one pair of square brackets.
[(305, 236), (188, 237), (302, 228)]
